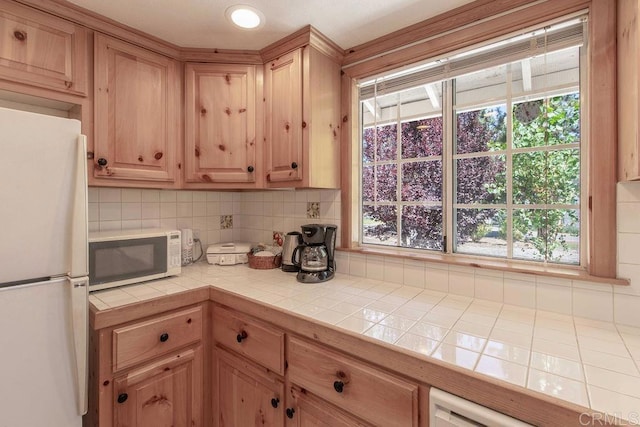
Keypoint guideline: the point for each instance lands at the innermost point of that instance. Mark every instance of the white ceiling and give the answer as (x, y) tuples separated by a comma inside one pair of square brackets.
[(202, 23)]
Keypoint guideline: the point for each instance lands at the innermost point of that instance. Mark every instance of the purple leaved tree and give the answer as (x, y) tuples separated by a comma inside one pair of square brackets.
[(420, 182)]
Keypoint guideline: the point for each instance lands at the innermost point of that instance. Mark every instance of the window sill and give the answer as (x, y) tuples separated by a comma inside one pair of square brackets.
[(568, 273)]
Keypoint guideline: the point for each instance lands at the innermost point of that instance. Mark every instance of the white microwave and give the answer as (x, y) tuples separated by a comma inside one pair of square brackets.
[(124, 257)]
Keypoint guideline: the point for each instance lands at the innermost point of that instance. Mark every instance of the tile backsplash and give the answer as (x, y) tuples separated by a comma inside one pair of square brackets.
[(598, 301), (218, 216), (254, 216)]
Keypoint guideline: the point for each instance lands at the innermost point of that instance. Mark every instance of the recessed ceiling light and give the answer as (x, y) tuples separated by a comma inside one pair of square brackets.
[(244, 16)]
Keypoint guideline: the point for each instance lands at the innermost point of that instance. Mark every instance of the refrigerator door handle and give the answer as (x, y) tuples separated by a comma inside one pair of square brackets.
[(80, 331), (79, 216)]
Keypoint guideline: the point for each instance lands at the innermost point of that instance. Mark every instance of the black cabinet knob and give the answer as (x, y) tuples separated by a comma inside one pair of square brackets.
[(241, 336), (20, 35), (294, 165), (274, 402), (250, 169), (338, 386), (164, 337), (122, 397), (290, 412), (102, 162)]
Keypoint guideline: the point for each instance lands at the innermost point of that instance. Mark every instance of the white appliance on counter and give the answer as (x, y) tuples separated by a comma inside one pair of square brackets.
[(228, 253), (43, 278), (448, 410), (122, 257)]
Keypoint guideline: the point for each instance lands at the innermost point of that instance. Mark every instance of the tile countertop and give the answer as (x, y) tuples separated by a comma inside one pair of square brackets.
[(588, 362)]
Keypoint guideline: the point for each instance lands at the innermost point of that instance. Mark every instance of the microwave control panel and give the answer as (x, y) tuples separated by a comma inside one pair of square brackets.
[(174, 250)]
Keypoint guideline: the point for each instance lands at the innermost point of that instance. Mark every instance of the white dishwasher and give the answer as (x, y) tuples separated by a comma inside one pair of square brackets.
[(447, 410)]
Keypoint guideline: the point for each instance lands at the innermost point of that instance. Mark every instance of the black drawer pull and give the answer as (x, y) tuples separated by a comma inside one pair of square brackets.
[(20, 35), (290, 412), (241, 336), (164, 337), (338, 386), (122, 397), (274, 402)]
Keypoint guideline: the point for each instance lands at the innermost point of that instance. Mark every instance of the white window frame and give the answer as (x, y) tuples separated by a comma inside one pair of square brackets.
[(448, 196)]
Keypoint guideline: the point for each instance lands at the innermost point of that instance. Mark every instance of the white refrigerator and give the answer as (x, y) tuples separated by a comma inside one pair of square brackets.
[(43, 271)]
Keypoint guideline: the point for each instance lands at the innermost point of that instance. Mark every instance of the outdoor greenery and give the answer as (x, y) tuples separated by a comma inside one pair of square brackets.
[(543, 173), (547, 177)]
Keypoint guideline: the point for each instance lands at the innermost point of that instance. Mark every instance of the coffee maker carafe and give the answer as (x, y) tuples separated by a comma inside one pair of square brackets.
[(315, 256)]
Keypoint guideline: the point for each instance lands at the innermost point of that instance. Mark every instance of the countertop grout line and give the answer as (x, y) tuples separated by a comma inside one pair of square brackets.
[(582, 364)]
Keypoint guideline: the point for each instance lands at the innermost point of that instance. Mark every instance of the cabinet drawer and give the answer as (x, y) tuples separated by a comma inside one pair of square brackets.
[(251, 338), (357, 388), (144, 340)]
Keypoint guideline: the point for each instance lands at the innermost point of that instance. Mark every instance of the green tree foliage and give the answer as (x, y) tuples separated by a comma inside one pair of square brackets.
[(539, 176), (546, 177), (479, 131)]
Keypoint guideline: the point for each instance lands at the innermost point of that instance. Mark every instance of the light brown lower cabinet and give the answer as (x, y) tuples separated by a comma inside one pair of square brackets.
[(249, 395), (149, 370), (356, 387), (202, 364), (324, 387), (165, 393), (307, 410), (245, 394)]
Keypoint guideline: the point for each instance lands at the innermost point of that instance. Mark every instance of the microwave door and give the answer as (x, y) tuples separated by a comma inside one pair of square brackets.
[(123, 261)]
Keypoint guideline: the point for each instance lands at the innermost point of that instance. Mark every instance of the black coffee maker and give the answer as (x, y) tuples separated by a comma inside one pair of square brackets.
[(315, 256)]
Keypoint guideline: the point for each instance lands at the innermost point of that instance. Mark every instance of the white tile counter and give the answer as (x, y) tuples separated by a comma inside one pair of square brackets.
[(588, 362)]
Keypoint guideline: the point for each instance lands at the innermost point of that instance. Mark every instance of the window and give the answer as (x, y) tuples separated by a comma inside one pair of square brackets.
[(480, 153)]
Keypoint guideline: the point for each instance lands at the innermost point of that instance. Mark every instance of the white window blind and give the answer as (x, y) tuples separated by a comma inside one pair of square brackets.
[(544, 40)]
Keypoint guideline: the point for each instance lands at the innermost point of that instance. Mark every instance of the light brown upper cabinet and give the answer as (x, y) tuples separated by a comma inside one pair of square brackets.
[(222, 128), (42, 50), (284, 118), (137, 116), (302, 107), (628, 36)]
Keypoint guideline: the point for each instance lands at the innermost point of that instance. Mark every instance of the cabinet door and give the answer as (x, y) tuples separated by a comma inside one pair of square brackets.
[(246, 395), (137, 118), (220, 137), (284, 118), (306, 410), (628, 66), (165, 393), (43, 50)]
